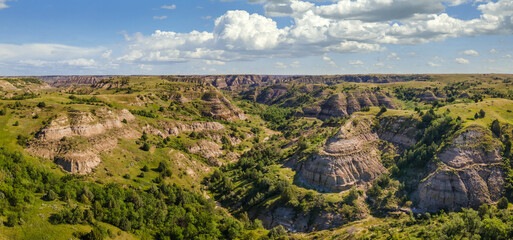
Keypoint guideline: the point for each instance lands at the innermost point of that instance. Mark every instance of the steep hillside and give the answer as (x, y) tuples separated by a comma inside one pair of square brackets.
[(348, 159), (345, 104), (76, 139), (469, 174)]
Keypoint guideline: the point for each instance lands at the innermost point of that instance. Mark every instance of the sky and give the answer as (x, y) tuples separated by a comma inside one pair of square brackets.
[(279, 37)]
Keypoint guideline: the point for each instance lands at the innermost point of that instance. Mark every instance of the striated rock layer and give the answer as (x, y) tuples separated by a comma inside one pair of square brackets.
[(345, 104), (469, 174), (218, 107), (348, 159), (75, 140)]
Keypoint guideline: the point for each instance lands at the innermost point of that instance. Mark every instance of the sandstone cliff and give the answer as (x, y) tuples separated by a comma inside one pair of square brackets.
[(66, 81), (468, 174), (75, 140), (245, 82), (400, 131), (350, 158), (215, 105), (345, 104)]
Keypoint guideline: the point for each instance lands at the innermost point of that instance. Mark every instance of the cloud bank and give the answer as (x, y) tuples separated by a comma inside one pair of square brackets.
[(343, 26)]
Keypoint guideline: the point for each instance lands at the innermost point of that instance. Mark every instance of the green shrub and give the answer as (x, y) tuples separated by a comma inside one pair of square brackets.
[(146, 147), (41, 105), (277, 232), (496, 128), (503, 203)]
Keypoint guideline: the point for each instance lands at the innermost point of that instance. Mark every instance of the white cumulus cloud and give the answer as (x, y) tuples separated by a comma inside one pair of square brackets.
[(240, 30), (462, 61), (470, 52), (159, 17), (3, 4), (169, 7), (356, 62)]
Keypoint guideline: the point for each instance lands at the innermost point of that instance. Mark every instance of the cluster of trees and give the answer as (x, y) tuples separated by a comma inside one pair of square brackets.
[(481, 114), (90, 101), (23, 96), (144, 113), (167, 211), (434, 131), (486, 222), (252, 181), (278, 118)]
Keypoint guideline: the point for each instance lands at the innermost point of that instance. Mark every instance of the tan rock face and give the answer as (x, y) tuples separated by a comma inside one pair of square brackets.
[(271, 93), (167, 128), (177, 128), (84, 124), (348, 159), (63, 81), (400, 131), (206, 149), (76, 139), (428, 96), (218, 107), (78, 162), (469, 174), (345, 104)]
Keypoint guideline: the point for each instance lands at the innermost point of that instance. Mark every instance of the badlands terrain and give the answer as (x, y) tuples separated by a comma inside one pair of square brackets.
[(256, 157)]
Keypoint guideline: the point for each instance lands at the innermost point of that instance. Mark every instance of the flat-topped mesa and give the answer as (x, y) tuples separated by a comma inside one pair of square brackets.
[(345, 104), (215, 105), (75, 140), (469, 173), (350, 158)]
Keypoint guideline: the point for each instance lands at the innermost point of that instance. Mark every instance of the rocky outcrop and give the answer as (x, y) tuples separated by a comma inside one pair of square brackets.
[(78, 162), (350, 158), (270, 94), (245, 82), (75, 140), (175, 128), (215, 105), (398, 130), (427, 96), (345, 104), (295, 221), (85, 124), (165, 128), (67, 81), (206, 149), (468, 174), (21, 85)]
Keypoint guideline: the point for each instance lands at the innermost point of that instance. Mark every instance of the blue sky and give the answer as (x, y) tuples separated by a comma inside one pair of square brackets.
[(255, 36)]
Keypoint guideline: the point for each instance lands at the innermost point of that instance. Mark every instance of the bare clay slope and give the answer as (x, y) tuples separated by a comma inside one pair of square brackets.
[(468, 174), (345, 104), (74, 140), (350, 158)]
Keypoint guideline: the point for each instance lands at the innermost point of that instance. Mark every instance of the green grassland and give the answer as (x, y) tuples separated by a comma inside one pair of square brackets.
[(278, 133)]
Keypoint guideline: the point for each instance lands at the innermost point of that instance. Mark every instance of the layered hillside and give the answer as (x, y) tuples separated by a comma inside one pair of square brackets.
[(218, 107), (469, 174), (345, 104), (348, 159), (75, 140)]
